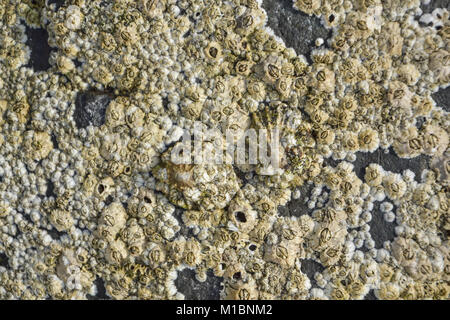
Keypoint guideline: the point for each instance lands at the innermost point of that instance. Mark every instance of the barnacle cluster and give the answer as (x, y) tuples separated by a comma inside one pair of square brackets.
[(100, 199)]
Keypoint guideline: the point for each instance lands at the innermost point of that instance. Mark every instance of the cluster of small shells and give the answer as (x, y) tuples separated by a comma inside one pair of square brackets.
[(79, 204)]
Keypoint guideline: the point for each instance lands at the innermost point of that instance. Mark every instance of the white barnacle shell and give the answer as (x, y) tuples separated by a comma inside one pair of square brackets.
[(74, 17)]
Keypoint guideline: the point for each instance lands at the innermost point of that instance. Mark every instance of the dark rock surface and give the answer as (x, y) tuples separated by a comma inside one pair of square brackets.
[(298, 30), (442, 98), (196, 290), (90, 108), (298, 207), (40, 50), (370, 296), (58, 3), (101, 291), (4, 260), (428, 8), (390, 161), (380, 229), (310, 267)]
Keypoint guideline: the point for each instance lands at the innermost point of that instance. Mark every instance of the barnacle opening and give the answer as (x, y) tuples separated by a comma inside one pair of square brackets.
[(240, 216)]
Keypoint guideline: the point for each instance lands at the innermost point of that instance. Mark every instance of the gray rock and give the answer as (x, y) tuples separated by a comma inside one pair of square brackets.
[(90, 108), (428, 8), (380, 229), (298, 207), (298, 30), (40, 50), (196, 290), (310, 267), (442, 98), (390, 161)]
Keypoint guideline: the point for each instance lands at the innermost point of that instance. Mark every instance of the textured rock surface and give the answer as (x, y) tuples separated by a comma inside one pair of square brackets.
[(196, 290), (90, 108), (442, 98), (428, 8), (380, 229), (40, 50), (298, 30)]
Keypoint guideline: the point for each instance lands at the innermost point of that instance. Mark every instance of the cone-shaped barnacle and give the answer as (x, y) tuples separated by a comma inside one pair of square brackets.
[(104, 188), (331, 255), (350, 142), (368, 140), (283, 87), (243, 67), (152, 8), (283, 253), (307, 6), (441, 165), (257, 90), (241, 290), (116, 252), (270, 69), (409, 144), (192, 255), (298, 284), (156, 255), (319, 116), (112, 220), (89, 184), (194, 101), (62, 220), (133, 236), (323, 56), (394, 185), (213, 51), (111, 146), (365, 24), (74, 17), (399, 95), (115, 114), (390, 40), (127, 34), (326, 235), (134, 117), (409, 74), (250, 20), (37, 144), (350, 186), (435, 140), (65, 65), (325, 137), (324, 79), (374, 174), (405, 251), (440, 65)]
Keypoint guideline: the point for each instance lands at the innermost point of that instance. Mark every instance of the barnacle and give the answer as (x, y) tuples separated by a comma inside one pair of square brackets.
[(394, 185), (368, 140), (61, 219), (38, 144)]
